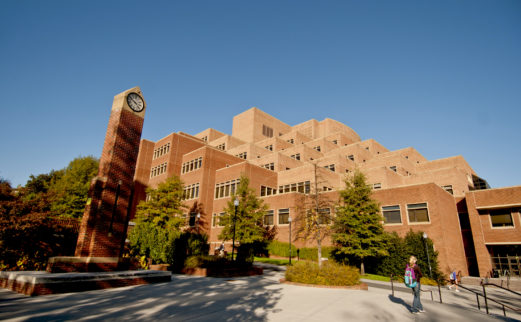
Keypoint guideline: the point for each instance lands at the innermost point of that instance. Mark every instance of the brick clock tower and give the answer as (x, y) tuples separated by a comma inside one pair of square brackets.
[(105, 220)]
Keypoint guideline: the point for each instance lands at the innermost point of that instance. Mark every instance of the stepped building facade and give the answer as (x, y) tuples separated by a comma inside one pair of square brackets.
[(470, 224)]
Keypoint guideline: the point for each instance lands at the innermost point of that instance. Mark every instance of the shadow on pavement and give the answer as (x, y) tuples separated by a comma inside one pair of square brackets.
[(184, 298), (398, 300)]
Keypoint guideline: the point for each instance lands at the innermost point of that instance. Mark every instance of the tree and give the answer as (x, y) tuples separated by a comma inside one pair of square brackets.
[(415, 244), (249, 229), (314, 214), (159, 221), (358, 223), (70, 190)]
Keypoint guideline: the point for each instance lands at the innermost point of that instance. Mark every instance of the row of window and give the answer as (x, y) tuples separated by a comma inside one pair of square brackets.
[(501, 218), (226, 189), (191, 191), (162, 150), (330, 167), (242, 155), (267, 191), (221, 146), (417, 213), (283, 218), (158, 169), (192, 165), (302, 187)]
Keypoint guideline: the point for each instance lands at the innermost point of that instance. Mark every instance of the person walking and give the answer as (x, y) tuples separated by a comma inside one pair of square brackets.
[(453, 277), (417, 306)]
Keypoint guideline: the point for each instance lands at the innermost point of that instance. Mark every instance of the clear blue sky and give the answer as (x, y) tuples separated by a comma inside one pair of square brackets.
[(441, 76)]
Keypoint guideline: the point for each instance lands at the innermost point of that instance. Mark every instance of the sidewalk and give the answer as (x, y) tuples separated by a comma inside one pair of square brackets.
[(255, 298)]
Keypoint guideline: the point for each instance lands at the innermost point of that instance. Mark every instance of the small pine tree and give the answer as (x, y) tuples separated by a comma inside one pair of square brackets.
[(358, 223), (249, 229)]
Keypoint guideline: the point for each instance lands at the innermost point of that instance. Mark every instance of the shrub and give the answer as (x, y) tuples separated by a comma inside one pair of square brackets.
[(186, 245), (330, 274), (312, 253), (278, 248)]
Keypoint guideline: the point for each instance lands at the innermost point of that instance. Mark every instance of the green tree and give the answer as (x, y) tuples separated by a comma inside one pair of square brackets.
[(358, 223), (398, 257), (249, 229), (415, 245), (159, 221), (70, 190)]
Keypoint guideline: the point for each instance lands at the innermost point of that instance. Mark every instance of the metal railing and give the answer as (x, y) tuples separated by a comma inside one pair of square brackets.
[(486, 298)]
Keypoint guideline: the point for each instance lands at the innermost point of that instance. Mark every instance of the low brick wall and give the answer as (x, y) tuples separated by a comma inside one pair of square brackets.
[(41, 283)]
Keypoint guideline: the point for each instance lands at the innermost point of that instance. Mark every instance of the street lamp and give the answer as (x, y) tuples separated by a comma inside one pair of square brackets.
[(427, 250), (289, 221), (197, 222), (236, 204)]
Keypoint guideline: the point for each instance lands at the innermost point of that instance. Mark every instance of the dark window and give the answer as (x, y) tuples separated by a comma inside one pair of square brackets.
[(392, 214), (501, 218), (268, 218), (283, 216), (418, 212)]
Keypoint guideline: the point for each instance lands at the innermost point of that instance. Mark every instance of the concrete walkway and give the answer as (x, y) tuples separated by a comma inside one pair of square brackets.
[(257, 298)]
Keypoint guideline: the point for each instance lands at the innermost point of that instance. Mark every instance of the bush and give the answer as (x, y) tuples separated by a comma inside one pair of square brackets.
[(281, 249), (312, 253), (186, 245), (330, 274)]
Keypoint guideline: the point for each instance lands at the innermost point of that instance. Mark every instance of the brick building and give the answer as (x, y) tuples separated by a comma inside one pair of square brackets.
[(469, 223)]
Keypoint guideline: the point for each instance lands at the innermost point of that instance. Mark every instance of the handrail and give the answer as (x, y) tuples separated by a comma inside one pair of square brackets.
[(501, 287), (486, 298)]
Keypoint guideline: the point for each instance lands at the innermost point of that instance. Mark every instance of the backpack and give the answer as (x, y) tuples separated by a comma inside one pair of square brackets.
[(453, 276), (409, 278)]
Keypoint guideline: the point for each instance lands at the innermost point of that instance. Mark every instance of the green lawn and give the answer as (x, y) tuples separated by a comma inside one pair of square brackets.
[(282, 262), (376, 277)]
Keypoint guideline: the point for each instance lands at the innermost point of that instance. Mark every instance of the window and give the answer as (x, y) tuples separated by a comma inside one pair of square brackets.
[(448, 188), (317, 148), (291, 141), (162, 150), (283, 216), (242, 155), (296, 156), (268, 218), (392, 214), (335, 142), (267, 131), (267, 191), (215, 218), (324, 216), (158, 170), (226, 189), (192, 165), (205, 138), (192, 219), (351, 157), (418, 212), (302, 187), (222, 146), (501, 218), (377, 186), (393, 168), (269, 166), (330, 167), (269, 147), (191, 191)]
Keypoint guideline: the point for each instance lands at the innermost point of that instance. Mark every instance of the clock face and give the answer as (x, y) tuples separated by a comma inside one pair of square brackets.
[(135, 102)]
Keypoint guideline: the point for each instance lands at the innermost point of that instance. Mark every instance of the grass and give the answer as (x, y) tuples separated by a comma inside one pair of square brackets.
[(281, 262), (376, 277)]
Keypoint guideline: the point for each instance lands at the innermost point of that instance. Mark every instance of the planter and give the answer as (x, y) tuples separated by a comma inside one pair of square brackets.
[(159, 267)]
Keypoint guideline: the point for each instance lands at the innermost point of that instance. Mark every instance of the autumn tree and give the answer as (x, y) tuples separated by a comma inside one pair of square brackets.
[(248, 221), (358, 228), (314, 212)]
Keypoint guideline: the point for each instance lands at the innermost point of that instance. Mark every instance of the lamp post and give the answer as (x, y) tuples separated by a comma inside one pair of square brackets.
[(197, 222), (427, 250), (289, 221), (236, 204)]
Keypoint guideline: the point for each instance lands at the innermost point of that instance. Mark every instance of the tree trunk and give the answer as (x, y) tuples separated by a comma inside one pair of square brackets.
[(319, 248), (362, 268)]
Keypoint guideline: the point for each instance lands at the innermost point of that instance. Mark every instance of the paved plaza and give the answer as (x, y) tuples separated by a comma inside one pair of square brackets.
[(257, 298)]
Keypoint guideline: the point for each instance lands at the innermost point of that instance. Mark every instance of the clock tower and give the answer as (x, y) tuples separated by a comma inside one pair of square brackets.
[(105, 220)]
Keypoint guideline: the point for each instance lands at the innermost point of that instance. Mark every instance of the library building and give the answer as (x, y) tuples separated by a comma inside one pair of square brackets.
[(475, 229)]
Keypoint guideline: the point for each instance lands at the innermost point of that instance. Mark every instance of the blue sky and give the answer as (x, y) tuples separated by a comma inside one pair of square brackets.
[(441, 76)]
